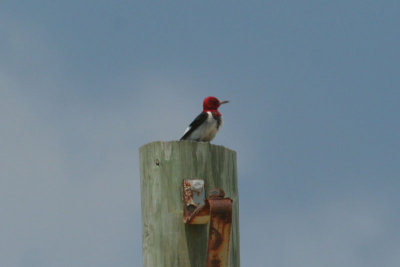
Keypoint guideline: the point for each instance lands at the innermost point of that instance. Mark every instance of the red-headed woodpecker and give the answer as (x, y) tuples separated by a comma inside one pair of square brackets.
[(206, 125)]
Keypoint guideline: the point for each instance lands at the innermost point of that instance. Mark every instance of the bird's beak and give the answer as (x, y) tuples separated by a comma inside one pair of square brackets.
[(223, 102)]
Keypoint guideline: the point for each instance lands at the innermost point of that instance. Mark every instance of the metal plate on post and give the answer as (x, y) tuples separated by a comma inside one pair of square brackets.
[(218, 211), (195, 210)]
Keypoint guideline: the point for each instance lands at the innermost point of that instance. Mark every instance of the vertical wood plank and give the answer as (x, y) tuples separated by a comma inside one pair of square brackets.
[(166, 240)]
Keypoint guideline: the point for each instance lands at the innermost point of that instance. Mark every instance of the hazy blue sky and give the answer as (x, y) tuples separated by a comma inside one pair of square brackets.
[(314, 118)]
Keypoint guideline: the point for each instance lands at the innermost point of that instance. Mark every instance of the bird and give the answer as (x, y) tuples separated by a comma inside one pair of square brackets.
[(206, 125)]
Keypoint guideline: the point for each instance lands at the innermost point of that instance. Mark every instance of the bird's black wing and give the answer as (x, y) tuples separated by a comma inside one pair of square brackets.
[(195, 123)]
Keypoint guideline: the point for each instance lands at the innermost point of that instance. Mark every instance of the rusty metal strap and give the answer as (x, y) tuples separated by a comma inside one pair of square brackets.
[(220, 232), (216, 210)]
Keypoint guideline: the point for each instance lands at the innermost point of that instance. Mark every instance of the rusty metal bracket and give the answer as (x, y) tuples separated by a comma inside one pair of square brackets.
[(217, 211)]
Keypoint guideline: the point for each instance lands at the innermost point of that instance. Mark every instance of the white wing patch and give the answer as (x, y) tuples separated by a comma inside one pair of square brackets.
[(187, 130)]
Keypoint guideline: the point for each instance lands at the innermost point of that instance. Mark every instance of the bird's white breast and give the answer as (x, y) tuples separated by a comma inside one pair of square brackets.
[(206, 131)]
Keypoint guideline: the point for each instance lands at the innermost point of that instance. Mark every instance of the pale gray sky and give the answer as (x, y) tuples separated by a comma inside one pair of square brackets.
[(314, 91)]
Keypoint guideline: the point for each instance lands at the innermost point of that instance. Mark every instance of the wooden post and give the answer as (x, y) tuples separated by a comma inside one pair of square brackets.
[(166, 240)]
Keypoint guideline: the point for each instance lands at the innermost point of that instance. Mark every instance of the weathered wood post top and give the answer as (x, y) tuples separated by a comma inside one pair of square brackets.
[(166, 240)]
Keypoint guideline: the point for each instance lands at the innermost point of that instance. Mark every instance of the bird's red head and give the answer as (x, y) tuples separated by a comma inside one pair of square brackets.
[(212, 103)]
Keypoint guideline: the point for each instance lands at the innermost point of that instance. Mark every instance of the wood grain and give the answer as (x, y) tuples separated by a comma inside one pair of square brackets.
[(166, 240)]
